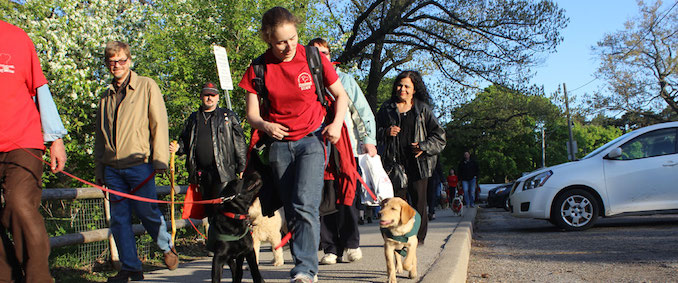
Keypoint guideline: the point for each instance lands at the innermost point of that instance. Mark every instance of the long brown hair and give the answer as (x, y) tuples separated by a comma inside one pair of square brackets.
[(274, 18)]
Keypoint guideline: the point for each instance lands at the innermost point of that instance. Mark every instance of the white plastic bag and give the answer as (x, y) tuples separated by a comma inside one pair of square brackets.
[(375, 176)]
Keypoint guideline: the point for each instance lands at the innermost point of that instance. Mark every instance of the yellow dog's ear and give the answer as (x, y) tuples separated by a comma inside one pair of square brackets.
[(406, 212)]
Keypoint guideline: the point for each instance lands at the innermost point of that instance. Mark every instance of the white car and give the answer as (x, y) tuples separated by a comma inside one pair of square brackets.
[(636, 173)]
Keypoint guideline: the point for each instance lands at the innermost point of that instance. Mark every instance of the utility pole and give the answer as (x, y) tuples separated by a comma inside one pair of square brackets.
[(543, 147), (571, 146)]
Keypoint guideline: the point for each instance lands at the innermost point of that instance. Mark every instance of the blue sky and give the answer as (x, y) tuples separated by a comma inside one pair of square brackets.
[(574, 62)]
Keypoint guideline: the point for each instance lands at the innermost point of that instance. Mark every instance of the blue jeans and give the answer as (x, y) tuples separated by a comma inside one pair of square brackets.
[(298, 167), (124, 180), (469, 191)]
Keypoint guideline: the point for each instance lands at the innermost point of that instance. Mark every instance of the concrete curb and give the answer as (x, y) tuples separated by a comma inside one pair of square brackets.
[(452, 263)]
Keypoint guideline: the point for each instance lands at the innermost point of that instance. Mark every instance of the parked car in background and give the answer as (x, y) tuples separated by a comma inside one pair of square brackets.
[(636, 173), (498, 196), (482, 190)]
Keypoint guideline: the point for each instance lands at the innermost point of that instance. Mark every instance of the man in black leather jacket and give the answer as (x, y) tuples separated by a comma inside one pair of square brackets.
[(214, 144)]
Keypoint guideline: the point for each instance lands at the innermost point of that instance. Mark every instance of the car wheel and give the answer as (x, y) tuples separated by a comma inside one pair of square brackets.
[(575, 210), (507, 204)]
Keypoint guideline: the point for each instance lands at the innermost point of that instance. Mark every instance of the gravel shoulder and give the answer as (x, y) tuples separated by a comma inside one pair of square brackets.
[(625, 249)]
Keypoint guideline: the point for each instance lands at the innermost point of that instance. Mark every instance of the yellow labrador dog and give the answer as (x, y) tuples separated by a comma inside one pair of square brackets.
[(266, 229), (399, 225)]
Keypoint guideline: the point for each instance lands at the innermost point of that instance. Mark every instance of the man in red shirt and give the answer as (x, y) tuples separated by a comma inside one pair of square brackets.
[(21, 140)]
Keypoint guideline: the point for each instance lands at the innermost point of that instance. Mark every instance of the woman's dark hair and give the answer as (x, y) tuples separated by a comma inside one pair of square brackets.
[(420, 92), (274, 18)]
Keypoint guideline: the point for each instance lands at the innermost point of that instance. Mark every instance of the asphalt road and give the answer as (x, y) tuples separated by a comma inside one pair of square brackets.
[(622, 249)]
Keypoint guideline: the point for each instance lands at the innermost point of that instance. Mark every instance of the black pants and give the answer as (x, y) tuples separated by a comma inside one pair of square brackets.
[(210, 188), (339, 230), (417, 191)]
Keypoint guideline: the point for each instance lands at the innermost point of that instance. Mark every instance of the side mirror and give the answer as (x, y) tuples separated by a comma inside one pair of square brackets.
[(617, 152)]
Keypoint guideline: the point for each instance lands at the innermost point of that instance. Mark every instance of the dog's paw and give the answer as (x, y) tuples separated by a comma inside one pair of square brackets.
[(278, 262), (413, 273), (392, 279)]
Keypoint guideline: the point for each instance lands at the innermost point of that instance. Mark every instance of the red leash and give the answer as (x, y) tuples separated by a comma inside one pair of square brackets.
[(133, 191), (138, 198)]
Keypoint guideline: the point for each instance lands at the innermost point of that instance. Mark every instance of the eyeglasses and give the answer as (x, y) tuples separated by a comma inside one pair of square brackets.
[(120, 62)]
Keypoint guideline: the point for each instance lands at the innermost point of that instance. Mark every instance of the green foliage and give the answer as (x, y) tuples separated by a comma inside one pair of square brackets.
[(640, 63), (502, 129)]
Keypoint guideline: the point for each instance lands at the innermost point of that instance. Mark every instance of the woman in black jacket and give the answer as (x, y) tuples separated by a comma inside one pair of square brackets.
[(410, 135)]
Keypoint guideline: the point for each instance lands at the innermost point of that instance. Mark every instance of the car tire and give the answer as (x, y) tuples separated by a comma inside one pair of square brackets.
[(575, 210)]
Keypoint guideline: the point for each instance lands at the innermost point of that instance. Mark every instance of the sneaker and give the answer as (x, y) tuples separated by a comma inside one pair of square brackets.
[(126, 275), (329, 258), (351, 255), (172, 259), (300, 278)]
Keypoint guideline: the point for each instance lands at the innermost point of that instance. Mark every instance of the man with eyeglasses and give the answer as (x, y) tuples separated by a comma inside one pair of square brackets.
[(214, 144), (131, 145)]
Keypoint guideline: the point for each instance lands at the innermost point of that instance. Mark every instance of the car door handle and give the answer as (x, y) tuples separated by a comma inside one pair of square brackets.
[(670, 164)]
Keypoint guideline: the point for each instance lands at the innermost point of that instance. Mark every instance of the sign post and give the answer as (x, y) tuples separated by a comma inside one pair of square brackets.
[(224, 72)]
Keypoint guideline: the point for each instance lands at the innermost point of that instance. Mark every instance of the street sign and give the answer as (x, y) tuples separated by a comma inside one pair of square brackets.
[(222, 68)]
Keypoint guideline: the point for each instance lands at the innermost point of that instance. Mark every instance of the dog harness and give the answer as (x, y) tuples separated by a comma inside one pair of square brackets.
[(213, 235), (403, 238)]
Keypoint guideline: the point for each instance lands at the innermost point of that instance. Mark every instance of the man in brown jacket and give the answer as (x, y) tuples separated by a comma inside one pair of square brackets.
[(131, 145)]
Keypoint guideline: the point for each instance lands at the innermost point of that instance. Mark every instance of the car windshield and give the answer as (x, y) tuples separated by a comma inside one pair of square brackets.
[(605, 146)]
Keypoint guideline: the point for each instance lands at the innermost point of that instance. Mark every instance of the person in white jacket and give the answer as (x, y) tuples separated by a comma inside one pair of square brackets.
[(339, 235)]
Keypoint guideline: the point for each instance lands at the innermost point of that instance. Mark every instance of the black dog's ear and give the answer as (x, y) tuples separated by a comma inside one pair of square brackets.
[(252, 185)]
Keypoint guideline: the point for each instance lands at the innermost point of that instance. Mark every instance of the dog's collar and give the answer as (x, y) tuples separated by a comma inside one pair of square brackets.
[(213, 234), (403, 238), (235, 216)]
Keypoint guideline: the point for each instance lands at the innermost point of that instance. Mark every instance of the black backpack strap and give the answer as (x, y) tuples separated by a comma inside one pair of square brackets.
[(258, 81), (315, 64)]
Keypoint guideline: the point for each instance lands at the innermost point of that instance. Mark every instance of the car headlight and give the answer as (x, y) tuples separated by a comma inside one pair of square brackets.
[(500, 190), (537, 181)]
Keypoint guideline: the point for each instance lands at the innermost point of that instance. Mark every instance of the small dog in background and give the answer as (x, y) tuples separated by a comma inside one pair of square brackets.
[(399, 224), (266, 229), (457, 204)]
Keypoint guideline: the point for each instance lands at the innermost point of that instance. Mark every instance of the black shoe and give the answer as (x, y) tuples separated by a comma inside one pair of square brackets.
[(126, 275), (361, 221), (369, 219)]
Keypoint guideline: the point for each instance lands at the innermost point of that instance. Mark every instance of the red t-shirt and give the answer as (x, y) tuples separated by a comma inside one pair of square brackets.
[(452, 181), (20, 75), (291, 91)]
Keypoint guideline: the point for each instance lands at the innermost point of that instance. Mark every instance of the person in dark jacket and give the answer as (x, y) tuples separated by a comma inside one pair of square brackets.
[(410, 135), (214, 144), (468, 173)]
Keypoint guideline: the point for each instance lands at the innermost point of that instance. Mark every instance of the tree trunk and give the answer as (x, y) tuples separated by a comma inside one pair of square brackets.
[(375, 76)]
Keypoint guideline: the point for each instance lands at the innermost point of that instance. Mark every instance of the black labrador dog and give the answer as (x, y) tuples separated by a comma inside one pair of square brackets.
[(229, 233)]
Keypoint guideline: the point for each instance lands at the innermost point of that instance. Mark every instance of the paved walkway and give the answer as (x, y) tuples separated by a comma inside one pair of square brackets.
[(444, 258)]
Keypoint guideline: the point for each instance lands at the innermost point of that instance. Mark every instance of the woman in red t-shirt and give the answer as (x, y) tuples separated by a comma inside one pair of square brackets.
[(295, 120)]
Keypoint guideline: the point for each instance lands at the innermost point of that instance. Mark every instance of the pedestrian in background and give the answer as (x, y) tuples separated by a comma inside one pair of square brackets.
[(214, 143), (452, 181), (434, 189), (24, 130), (468, 172), (412, 136), (131, 145)]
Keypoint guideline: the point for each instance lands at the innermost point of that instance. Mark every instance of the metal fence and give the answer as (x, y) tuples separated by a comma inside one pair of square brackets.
[(79, 217)]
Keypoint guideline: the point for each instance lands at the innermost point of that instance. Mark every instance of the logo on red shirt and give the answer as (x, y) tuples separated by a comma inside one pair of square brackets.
[(5, 67), (305, 81)]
